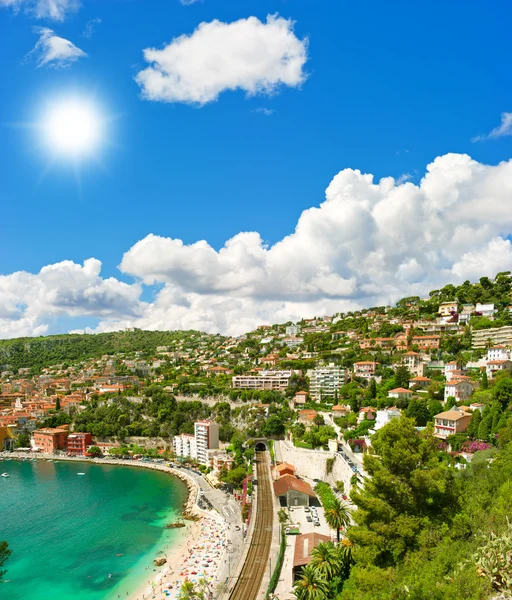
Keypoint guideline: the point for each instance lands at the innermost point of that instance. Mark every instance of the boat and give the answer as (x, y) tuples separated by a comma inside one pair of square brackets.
[(80, 473), (5, 474)]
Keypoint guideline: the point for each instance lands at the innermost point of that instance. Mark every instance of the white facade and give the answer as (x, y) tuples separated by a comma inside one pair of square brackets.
[(495, 366), (385, 416), (271, 380), (460, 389), (486, 310), (325, 381), (414, 365), (498, 353), (292, 330), (293, 342), (365, 369), (206, 438), (184, 446)]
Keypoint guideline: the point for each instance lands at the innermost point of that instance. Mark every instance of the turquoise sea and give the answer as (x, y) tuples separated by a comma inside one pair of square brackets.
[(88, 537)]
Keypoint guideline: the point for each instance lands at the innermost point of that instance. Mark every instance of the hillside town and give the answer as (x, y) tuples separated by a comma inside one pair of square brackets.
[(314, 393)]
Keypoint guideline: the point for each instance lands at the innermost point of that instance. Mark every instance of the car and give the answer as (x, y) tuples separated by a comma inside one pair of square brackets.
[(316, 523), (309, 519), (316, 480), (237, 527), (307, 509)]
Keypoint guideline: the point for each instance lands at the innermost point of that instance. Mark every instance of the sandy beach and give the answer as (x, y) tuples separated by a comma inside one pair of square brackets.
[(197, 553)]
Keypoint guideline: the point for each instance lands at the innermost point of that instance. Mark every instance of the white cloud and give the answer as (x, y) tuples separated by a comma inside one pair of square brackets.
[(189, 2), (90, 27), (247, 54), (56, 10), (54, 51), (265, 111), (369, 243), (28, 300), (503, 129)]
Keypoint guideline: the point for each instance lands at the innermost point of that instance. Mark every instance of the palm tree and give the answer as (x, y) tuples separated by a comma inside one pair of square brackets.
[(337, 515), (311, 585), (326, 559)]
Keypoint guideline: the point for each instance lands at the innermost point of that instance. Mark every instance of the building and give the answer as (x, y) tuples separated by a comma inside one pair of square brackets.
[(304, 544), (401, 393), (307, 417), (293, 342), (292, 330), (451, 422), (338, 410), (498, 353), (78, 443), (50, 440), (221, 460), (7, 438), (495, 336), (414, 364), (495, 366), (367, 413), (300, 398), (461, 389), (269, 380), (420, 382), (292, 491), (485, 310), (446, 309), (325, 382), (452, 370), (427, 342), (385, 416), (365, 369), (184, 446), (206, 435), (285, 469)]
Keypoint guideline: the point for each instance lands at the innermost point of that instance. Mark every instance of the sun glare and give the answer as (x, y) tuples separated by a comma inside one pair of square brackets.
[(72, 127)]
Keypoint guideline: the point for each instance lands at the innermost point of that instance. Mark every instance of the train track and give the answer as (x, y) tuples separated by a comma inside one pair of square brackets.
[(251, 575)]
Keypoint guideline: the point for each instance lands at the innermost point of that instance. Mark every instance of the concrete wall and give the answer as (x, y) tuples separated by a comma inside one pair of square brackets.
[(312, 464)]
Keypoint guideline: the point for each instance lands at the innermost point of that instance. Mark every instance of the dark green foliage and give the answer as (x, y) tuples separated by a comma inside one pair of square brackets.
[(5, 552), (402, 377), (419, 411), (474, 424)]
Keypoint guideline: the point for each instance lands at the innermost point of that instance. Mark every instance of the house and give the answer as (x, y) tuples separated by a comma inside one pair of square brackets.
[(304, 544), (414, 364), (367, 413), (495, 366), (452, 369), (307, 417), (401, 393), (365, 369), (421, 382), (460, 388), (214, 371), (300, 398), (451, 422), (446, 309), (498, 353), (78, 443), (427, 342), (385, 416), (49, 440), (485, 310), (285, 469), (338, 410), (292, 491), (477, 406)]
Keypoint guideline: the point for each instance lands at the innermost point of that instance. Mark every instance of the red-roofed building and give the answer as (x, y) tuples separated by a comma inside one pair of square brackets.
[(292, 491), (78, 443)]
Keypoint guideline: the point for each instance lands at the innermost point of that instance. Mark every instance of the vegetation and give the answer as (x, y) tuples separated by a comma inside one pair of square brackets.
[(5, 552), (274, 580)]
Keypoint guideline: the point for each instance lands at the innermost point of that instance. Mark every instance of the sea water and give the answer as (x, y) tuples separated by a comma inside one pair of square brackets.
[(83, 537)]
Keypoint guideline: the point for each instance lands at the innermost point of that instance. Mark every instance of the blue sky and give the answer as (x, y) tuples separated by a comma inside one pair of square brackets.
[(387, 88)]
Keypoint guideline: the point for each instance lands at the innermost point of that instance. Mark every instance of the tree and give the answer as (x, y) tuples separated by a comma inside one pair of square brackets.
[(23, 441), (5, 552), (474, 424), (326, 559), (418, 410), (274, 425), (94, 451), (337, 515), (484, 429), (408, 489), (450, 402), (371, 392), (402, 377), (311, 585), (57, 404), (503, 391), (485, 382), (235, 476)]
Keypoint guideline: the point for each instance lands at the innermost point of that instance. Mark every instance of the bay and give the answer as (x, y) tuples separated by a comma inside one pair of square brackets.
[(83, 537)]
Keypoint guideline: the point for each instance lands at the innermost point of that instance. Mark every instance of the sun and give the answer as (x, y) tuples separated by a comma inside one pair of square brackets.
[(72, 127)]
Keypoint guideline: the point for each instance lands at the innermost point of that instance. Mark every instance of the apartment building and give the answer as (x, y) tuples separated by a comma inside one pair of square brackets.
[(324, 382), (49, 440), (414, 364), (184, 446), (496, 336), (206, 435), (365, 369), (270, 380), (292, 330), (78, 443), (498, 353)]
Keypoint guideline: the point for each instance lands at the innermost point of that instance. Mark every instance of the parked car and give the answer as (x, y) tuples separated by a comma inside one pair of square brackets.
[(307, 509)]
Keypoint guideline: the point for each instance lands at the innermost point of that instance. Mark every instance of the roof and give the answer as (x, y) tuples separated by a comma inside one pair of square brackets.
[(497, 362), (301, 393), (340, 407), (400, 390), (284, 466), (420, 379), (289, 483), (411, 353), (453, 415), (304, 543)]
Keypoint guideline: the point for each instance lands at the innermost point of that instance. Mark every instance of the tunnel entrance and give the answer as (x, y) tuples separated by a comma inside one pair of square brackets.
[(261, 447)]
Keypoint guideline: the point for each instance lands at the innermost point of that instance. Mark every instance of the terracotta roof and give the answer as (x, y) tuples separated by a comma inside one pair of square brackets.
[(288, 483), (400, 390), (420, 379), (497, 362), (284, 466), (452, 415), (304, 543)]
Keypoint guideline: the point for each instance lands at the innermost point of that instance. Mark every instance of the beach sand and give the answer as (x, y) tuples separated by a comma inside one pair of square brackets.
[(197, 553)]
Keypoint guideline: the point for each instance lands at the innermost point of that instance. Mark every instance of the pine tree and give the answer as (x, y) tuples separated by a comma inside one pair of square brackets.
[(57, 404), (485, 382), (474, 424), (484, 430)]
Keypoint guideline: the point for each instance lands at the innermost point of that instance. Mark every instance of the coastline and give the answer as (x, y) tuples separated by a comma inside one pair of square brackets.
[(192, 552)]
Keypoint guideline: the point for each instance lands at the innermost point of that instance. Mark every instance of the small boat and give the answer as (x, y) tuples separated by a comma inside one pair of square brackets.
[(80, 473), (5, 474)]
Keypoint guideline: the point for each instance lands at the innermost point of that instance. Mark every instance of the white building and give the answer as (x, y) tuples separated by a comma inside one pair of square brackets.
[(325, 381), (495, 366), (365, 369), (266, 380), (486, 310), (495, 336), (452, 370), (184, 446), (292, 330), (385, 416), (293, 342), (498, 353), (461, 389), (414, 364), (206, 438)]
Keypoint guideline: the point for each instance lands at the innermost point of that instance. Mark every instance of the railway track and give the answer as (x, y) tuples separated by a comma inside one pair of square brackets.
[(251, 575)]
